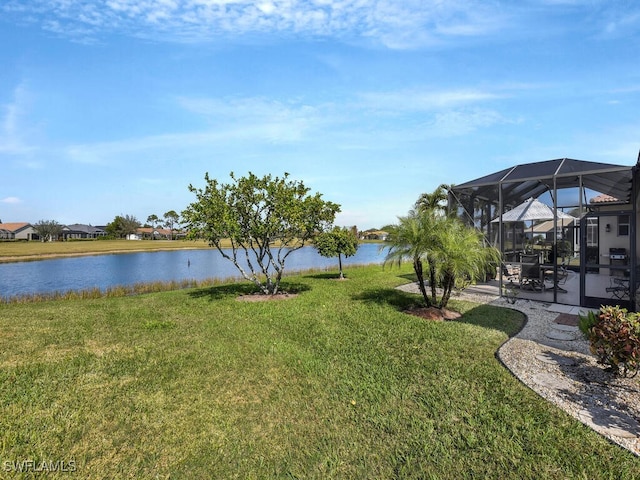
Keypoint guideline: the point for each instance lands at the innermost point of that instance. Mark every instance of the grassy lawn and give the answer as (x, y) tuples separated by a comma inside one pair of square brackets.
[(333, 383), (13, 251)]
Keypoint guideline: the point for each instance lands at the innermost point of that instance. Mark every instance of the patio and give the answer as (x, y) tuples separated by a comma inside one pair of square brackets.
[(508, 204), (568, 293)]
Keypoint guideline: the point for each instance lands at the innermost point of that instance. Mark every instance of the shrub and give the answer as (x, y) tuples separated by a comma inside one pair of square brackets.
[(614, 337)]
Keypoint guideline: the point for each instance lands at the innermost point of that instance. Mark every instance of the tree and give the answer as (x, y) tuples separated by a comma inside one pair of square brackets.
[(462, 257), (47, 230), (453, 253), (337, 242), (266, 219), (121, 226), (153, 220), (413, 239), (171, 220), (435, 202)]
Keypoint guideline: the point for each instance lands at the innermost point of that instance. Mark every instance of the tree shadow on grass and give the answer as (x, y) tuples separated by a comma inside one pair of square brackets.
[(390, 296), (494, 317), (324, 276), (411, 277), (219, 292), (506, 320)]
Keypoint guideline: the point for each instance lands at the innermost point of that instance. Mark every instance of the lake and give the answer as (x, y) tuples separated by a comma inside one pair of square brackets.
[(124, 269)]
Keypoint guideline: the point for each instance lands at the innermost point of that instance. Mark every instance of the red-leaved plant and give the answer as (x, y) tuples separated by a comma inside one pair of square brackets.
[(614, 337)]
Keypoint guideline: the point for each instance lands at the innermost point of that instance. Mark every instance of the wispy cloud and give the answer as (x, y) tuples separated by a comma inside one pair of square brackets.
[(259, 121), (455, 123), (12, 134), (406, 24), (426, 99), (11, 200)]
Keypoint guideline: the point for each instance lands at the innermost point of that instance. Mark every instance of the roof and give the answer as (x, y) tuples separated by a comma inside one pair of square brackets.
[(155, 231), (531, 180), (548, 226), (14, 227), (79, 227), (599, 199)]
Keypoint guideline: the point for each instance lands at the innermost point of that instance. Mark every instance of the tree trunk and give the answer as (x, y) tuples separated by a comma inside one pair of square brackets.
[(433, 282), (449, 282), (340, 265), (417, 267)]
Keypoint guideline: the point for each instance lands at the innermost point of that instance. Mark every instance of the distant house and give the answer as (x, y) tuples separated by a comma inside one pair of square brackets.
[(545, 229), (18, 231), (155, 233), (80, 231), (374, 235)]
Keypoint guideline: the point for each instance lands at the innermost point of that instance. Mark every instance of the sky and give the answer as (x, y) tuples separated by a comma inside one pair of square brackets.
[(115, 107)]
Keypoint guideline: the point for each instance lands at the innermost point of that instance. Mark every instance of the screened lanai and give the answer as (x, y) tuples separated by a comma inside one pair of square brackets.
[(587, 261)]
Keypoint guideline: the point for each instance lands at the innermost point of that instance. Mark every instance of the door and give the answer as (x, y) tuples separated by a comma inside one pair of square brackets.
[(605, 255)]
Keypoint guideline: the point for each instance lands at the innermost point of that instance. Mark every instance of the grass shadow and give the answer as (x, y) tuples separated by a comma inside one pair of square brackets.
[(324, 276), (506, 320), (218, 292), (390, 296), (411, 277)]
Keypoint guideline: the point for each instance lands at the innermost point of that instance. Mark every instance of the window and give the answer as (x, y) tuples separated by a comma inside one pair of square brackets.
[(623, 225), (592, 232)]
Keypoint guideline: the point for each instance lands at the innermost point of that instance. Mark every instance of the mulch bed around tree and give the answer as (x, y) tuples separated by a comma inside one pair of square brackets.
[(433, 313)]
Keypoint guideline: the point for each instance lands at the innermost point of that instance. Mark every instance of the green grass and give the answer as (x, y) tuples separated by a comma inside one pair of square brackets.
[(334, 383), (11, 251)]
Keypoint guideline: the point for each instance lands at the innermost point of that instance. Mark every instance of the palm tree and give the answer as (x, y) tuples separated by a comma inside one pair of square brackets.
[(462, 257), (454, 254), (415, 238), (435, 202)]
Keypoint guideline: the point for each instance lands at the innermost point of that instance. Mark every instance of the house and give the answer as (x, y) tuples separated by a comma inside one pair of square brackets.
[(545, 232), (18, 231), (374, 235), (155, 233), (79, 231), (606, 197)]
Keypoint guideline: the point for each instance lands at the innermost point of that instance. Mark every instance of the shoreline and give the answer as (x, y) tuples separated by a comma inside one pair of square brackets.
[(52, 256)]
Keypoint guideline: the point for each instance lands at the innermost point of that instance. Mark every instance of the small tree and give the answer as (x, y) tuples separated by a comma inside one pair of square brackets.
[(337, 242), (48, 230), (121, 226), (171, 221), (266, 219), (152, 221)]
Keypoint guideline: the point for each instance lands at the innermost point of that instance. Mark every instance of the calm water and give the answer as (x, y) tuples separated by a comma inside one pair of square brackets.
[(104, 271)]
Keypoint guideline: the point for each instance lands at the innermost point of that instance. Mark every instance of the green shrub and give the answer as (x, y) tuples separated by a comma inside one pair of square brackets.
[(586, 322), (614, 337)]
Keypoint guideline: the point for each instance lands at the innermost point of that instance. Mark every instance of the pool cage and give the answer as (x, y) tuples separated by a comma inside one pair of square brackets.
[(567, 187)]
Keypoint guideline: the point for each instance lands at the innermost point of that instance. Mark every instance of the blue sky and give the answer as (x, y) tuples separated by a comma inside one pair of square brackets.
[(113, 107)]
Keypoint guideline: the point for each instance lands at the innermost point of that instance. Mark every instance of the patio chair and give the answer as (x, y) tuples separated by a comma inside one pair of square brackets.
[(618, 288), (510, 273), (563, 274), (531, 276)]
